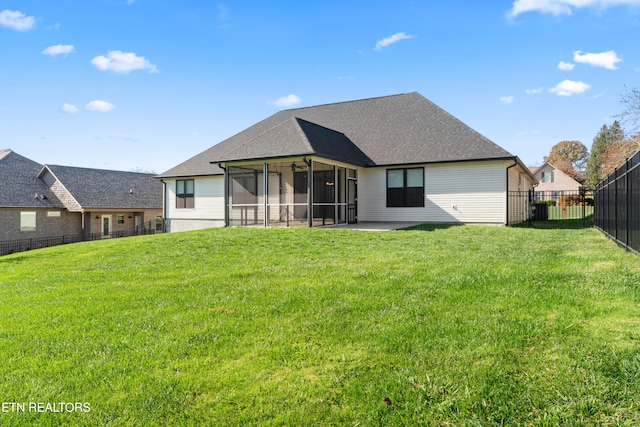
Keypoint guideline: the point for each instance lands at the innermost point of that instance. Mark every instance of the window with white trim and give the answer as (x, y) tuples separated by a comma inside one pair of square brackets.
[(27, 221)]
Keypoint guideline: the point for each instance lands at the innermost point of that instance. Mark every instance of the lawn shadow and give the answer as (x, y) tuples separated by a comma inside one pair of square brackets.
[(559, 224), (429, 227)]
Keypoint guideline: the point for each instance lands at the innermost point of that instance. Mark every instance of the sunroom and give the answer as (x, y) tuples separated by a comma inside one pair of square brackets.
[(295, 191)]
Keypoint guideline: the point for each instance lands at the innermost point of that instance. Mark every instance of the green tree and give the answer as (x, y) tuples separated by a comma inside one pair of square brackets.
[(607, 137), (593, 174)]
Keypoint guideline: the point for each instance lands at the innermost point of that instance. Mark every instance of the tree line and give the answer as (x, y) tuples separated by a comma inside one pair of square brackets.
[(609, 150)]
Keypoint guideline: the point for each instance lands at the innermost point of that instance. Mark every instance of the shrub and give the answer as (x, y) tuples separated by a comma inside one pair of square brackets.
[(572, 200)]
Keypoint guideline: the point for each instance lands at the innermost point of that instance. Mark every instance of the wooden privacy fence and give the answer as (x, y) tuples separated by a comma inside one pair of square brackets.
[(617, 199)]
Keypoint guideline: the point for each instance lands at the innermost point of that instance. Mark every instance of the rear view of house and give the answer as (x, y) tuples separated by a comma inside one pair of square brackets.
[(393, 158)]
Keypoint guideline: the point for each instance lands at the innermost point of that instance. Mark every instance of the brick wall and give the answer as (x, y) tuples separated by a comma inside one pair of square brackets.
[(67, 223)]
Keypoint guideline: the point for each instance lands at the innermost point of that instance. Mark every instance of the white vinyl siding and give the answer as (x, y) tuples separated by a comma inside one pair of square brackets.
[(208, 208), (465, 192)]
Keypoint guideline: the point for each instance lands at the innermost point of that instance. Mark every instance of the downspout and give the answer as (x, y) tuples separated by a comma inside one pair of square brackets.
[(226, 194), (164, 205), (515, 163)]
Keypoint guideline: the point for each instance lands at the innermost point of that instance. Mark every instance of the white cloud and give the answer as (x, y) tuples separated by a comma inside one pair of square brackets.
[(287, 101), (99, 105), (606, 60), (563, 7), (536, 91), (68, 108), (223, 12), (58, 49), (566, 66), (17, 20), (569, 87), (122, 62), (506, 100), (391, 40)]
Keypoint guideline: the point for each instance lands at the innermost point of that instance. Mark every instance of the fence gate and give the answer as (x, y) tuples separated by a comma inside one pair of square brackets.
[(551, 209)]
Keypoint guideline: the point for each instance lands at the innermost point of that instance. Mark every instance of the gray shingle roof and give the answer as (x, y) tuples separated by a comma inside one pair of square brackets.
[(296, 136), (390, 130), (20, 186), (99, 188)]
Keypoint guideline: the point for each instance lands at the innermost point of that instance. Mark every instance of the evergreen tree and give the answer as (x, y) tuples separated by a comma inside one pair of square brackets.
[(615, 133), (595, 164)]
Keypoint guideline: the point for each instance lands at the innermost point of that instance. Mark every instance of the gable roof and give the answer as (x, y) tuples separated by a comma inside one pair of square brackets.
[(99, 188), (295, 137), (20, 186), (537, 169), (389, 130)]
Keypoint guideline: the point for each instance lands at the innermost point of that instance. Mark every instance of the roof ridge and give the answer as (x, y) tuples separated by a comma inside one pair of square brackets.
[(348, 102), (98, 169), (302, 133), (5, 152), (249, 141)]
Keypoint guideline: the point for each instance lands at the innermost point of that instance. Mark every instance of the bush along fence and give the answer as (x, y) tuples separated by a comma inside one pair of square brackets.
[(540, 208), (21, 245), (618, 204)]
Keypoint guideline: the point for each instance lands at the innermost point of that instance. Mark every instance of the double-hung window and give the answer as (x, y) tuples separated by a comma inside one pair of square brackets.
[(184, 194), (405, 187)]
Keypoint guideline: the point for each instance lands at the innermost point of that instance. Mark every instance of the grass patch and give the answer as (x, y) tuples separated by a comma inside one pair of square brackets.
[(463, 325)]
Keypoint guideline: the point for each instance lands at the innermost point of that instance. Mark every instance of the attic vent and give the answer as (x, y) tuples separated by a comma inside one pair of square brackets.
[(131, 191)]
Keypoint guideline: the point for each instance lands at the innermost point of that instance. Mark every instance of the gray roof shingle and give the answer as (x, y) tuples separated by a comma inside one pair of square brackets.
[(99, 188), (389, 130), (20, 186)]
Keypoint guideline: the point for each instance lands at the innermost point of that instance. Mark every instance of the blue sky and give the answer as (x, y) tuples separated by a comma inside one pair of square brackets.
[(147, 84)]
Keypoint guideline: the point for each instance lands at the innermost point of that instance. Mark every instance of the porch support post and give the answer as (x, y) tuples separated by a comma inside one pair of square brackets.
[(335, 194), (310, 194), (265, 172), (226, 196)]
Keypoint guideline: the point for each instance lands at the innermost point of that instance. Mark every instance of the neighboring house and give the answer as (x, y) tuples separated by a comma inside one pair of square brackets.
[(392, 158), (552, 181), (46, 200)]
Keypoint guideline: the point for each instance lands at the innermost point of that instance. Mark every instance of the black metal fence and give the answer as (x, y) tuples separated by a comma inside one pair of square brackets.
[(546, 209), (21, 245), (618, 204)]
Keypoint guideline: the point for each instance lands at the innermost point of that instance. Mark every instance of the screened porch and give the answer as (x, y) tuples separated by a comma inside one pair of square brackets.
[(284, 193)]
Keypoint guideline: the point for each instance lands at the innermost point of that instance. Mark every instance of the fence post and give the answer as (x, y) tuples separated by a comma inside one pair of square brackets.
[(583, 200), (627, 202), (531, 207)]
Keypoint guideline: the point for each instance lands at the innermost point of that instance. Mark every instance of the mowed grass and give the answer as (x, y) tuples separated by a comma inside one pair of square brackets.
[(465, 325)]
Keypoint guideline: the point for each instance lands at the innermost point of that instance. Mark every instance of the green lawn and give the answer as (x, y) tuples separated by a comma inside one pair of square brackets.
[(466, 325)]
